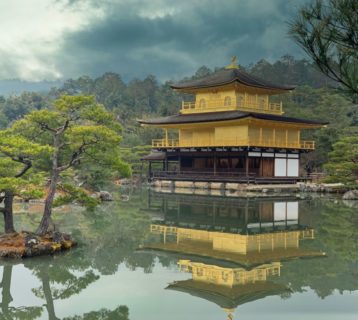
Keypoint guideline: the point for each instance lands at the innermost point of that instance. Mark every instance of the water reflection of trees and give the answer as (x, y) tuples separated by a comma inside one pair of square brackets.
[(336, 234), (9, 312), (120, 313), (111, 235), (56, 283), (108, 237), (117, 230)]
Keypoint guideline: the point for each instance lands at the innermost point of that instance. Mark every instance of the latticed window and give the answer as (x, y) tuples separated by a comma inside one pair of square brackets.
[(227, 101), (240, 100), (262, 102), (225, 276), (199, 272), (202, 103)]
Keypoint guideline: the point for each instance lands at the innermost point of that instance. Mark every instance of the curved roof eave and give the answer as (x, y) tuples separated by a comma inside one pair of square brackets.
[(225, 116), (227, 76), (286, 88)]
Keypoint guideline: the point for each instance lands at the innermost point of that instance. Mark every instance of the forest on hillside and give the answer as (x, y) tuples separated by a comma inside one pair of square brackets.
[(316, 97)]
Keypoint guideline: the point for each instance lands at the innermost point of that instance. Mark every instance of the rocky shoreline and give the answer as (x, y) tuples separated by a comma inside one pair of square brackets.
[(27, 244), (242, 190)]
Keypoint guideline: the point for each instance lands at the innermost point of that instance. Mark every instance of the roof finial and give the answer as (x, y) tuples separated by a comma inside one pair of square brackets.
[(230, 313), (233, 64)]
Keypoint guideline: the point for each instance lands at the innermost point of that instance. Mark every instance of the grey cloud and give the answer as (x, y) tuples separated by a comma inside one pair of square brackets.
[(134, 43)]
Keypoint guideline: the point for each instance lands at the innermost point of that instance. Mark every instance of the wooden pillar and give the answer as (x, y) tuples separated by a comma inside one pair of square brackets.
[(166, 137), (214, 163), (246, 212), (274, 137), (214, 212), (165, 207), (166, 162), (141, 172), (150, 169), (247, 164), (179, 160), (286, 138), (149, 199)]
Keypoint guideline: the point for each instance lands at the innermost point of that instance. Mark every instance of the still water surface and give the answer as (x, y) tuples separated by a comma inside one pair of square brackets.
[(164, 256)]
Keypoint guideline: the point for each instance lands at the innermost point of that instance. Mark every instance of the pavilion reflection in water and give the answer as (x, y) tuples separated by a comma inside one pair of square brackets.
[(232, 248)]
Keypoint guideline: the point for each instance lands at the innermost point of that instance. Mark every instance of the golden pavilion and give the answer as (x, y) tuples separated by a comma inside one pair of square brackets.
[(230, 132), (243, 232), (234, 249), (229, 287)]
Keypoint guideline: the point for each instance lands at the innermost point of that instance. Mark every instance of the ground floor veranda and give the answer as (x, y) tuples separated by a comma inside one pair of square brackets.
[(225, 165)]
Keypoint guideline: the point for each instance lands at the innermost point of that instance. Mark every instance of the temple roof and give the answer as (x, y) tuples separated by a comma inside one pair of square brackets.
[(226, 297), (154, 156), (224, 116), (227, 76), (248, 260)]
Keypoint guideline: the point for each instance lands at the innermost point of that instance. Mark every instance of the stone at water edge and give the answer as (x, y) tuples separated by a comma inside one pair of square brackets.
[(351, 203), (27, 244), (351, 195), (105, 196)]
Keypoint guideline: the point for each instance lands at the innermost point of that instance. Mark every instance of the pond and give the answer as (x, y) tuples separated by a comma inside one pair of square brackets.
[(166, 256)]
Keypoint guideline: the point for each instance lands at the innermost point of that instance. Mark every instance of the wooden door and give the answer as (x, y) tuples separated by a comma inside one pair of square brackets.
[(267, 167), (266, 212)]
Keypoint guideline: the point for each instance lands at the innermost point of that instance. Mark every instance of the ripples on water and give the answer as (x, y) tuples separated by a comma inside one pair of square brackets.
[(166, 256)]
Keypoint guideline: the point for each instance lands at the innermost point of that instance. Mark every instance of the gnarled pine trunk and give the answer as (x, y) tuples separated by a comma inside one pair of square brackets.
[(46, 218), (6, 294), (8, 212), (55, 174), (50, 306)]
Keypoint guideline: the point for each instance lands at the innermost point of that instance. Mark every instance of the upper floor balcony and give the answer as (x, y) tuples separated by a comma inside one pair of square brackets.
[(234, 142), (244, 102)]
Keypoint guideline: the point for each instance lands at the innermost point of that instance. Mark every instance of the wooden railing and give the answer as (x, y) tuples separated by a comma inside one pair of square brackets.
[(233, 142), (307, 234), (160, 143), (219, 105)]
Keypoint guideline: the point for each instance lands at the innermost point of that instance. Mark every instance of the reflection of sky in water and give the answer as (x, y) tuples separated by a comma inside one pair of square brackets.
[(145, 294), (146, 298)]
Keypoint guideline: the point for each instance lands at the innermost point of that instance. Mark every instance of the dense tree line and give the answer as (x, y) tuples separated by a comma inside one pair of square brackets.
[(316, 97)]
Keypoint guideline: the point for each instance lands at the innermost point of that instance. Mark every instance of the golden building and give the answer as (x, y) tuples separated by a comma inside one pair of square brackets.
[(229, 287), (234, 249), (240, 232), (230, 132)]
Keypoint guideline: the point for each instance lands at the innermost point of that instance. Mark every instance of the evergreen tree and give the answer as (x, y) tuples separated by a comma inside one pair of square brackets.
[(80, 132), (327, 31), (342, 165)]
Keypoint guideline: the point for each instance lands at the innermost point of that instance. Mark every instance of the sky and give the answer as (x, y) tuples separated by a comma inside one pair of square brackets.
[(60, 39)]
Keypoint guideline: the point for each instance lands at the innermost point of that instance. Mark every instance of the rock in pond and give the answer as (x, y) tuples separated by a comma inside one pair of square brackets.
[(351, 195), (27, 244), (105, 196)]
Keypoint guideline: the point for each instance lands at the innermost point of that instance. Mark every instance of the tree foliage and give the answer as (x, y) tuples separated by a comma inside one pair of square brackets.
[(18, 157), (315, 98), (80, 132), (327, 31), (342, 165)]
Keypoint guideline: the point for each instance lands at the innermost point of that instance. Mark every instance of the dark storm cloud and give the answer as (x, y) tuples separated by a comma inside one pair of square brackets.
[(172, 39)]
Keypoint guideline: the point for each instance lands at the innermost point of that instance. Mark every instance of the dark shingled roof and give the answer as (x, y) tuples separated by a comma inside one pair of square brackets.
[(224, 116), (154, 156), (227, 297), (227, 76)]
